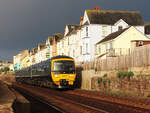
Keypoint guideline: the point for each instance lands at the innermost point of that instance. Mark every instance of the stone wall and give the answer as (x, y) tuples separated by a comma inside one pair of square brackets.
[(137, 85)]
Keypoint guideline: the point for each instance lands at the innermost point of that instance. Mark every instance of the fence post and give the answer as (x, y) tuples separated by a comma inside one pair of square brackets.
[(146, 57)]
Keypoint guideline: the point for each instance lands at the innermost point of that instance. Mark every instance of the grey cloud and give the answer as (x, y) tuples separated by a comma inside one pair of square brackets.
[(25, 23)]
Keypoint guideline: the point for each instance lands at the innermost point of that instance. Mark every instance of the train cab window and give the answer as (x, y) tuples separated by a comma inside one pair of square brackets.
[(63, 67)]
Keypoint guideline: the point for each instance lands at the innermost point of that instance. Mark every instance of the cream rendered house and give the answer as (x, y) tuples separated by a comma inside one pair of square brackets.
[(33, 56), (119, 43), (41, 52), (97, 24), (70, 37), (59, 44), (49, 47), (26, 62)]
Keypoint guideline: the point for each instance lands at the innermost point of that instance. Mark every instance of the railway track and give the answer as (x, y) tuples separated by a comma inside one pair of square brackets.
[(77, 101)]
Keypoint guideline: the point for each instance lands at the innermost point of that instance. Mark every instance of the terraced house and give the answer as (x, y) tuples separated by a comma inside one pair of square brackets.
[(72, 40), (83, 41), (97, 24), (49, 47), (21, 60), (121, 42)]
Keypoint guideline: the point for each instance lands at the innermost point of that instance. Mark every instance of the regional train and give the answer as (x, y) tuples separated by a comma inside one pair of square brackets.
[(57, 72)]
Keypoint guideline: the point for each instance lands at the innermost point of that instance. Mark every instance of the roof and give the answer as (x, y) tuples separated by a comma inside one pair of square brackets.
[(110, 17), (140, 40), (58, 36), (42, 46), (34, 50), (61, 56), (24, 51), (72, 27), (113, 35), (147, 28)]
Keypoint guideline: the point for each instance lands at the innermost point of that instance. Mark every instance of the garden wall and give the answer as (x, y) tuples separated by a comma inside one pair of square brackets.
[(138, 61)]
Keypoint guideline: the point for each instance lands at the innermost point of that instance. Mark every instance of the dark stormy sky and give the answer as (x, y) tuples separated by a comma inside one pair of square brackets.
[(25, 23)]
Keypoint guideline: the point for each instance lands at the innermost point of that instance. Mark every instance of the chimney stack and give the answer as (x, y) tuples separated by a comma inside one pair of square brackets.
[(96, 8), (81, 20)]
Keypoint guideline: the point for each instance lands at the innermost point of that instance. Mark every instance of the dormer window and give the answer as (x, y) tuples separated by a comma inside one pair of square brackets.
[(120, 28), (72, 27), (87, 31), (140, 43)]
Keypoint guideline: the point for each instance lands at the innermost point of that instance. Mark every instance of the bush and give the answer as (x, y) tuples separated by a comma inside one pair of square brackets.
[(104, 82), (120, 74), (130, 74), (125, 74), (148, 95), (105, 75), (99, 80), (109, 81)]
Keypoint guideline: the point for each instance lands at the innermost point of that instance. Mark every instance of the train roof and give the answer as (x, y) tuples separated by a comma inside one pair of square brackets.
[(60, 56)]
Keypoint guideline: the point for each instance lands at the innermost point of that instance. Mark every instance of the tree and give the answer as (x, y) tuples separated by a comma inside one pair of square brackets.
[(6, 69)]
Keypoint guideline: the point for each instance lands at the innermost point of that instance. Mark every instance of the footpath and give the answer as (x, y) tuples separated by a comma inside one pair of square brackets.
[(11, 101), (6, 99)]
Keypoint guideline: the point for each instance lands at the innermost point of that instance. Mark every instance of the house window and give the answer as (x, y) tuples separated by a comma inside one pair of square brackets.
[(96, 50), (111, 46), (86, 47), (99, 49), (106, 47), (104, 31), (72, 27), (73, 53), (80, 50), (120, 28), (87, 31), (68, 40), (140, 43), (62, 43)]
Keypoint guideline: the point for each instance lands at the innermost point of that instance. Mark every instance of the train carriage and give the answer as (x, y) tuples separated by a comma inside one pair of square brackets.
[(57, 72)]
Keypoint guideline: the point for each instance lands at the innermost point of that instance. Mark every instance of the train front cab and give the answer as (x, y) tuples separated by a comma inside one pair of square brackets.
[(63, 72)]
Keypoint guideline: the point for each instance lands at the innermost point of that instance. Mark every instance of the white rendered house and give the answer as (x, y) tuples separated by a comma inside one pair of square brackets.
[(97, 24)]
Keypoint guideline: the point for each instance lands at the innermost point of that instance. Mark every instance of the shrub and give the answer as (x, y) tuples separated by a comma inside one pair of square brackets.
[(99, 80), (148, 95), (120, 74), (109, 81), (125, 74), (130, 74), (104, 82), (138, 75), (105, 75)]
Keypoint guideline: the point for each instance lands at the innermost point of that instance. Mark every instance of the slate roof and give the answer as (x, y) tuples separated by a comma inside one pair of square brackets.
[(110, 17), (42, 46), (72, 28), (34, 50), (112, 35), (58, 36), (147, 28)]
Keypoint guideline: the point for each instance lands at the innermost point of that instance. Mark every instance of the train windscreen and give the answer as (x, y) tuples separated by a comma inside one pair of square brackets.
[(64, 67)]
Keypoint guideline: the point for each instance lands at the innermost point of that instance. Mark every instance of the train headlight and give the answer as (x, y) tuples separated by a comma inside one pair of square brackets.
[(56, 76), (71, 75)]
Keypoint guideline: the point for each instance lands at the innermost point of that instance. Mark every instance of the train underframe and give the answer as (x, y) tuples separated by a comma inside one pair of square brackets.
[(44, 81)]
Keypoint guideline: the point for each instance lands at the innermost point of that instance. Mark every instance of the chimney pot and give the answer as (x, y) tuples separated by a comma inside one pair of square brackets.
[(81, 17), (96, 8)]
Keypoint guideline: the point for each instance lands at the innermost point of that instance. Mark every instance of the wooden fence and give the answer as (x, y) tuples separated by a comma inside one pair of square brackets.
[(139, 57)]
